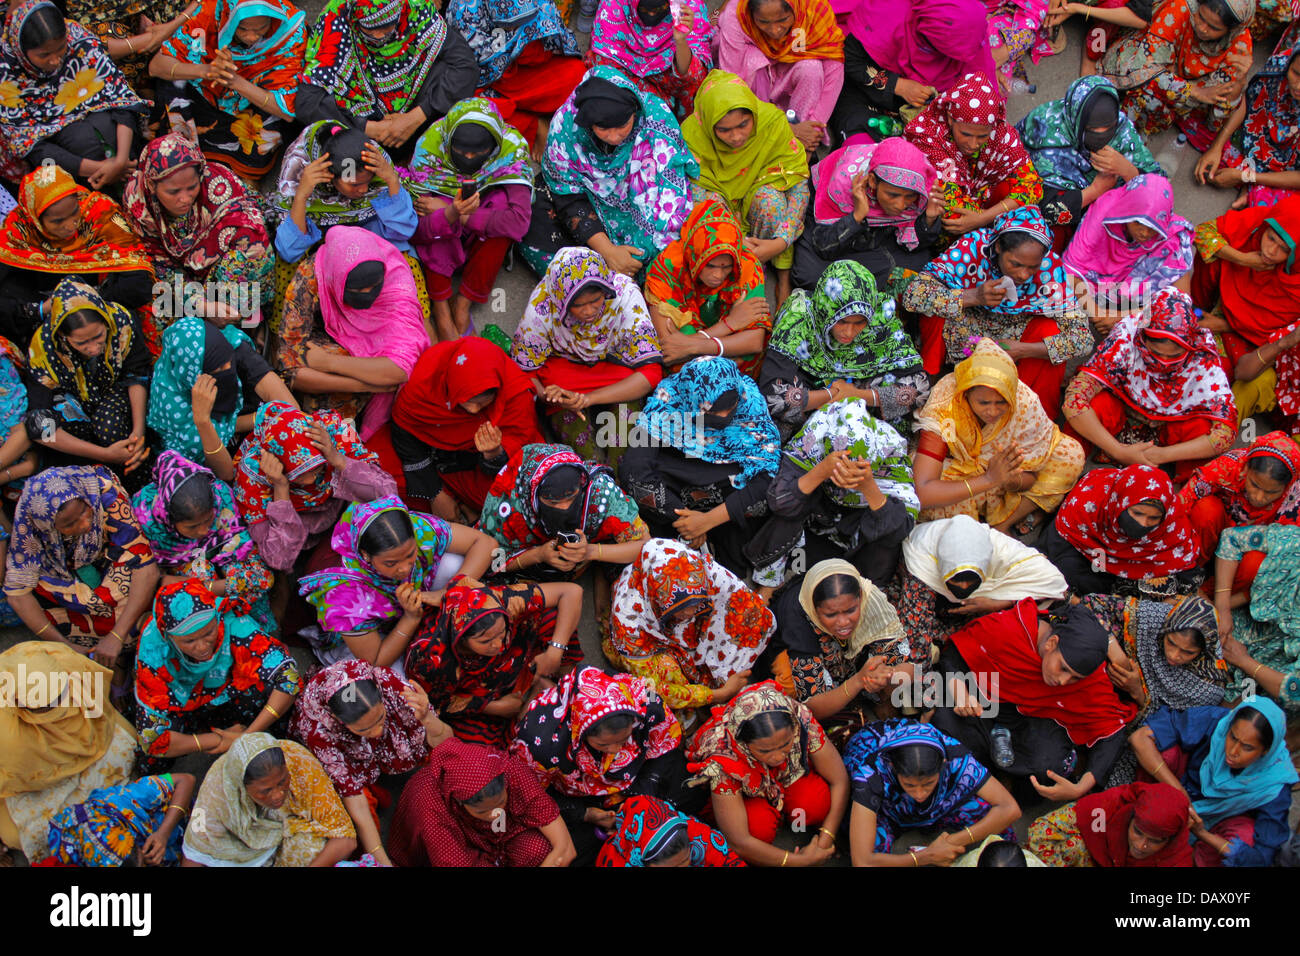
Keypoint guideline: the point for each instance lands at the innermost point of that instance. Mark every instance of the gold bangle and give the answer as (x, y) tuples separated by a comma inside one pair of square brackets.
[(970, 835), (377, 846), (114, 633), (827, 832), (266, 104), (786, 857), (1259, 353), (600, 552), (215, 450), (912, 854), (42, 630), (129, 45), (177, 806), (173, 73), (198, 743), (847, 693), (1255, 673), (969, 490), (1221, 590), (274, 713)]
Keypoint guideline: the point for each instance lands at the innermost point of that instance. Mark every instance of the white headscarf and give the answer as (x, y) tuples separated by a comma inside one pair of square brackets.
[(936, 551)]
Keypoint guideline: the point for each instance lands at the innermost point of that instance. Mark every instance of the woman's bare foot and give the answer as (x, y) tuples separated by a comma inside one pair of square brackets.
[(1240, 201), (460, 307)]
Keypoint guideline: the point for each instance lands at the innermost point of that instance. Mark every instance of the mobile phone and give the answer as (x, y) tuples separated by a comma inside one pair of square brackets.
[(567, 537), (468, 189)]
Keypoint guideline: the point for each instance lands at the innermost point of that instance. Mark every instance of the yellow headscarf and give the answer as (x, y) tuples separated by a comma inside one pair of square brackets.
[(40, 748), (877, 623), (770, 157), (56, 364)]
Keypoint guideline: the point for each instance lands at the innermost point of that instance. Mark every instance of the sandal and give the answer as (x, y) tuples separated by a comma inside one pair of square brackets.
[(1030, 524)]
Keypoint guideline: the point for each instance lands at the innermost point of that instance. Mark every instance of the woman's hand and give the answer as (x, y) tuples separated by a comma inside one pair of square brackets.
[(408, 596), (106, 651), (988, 293), (685, 24), (1126, 677), (732, 686), (573, 401), (1058, 14), (861, 197), (874, 675), (849, 473), (936, 203), (202, 397), (272, 470), (416, 699), (1005, 463), (154, 847), (676, 346), (551, 554), (1138, 453), (809, 134), (960, 222), (222, 71), (462, 209), (226, 738), (545, 665), (693, 526), (428, 205), (625, 259), (1253, 260), (599, 817), (765, 250), (107, 172), (748, 313), (377, 161), (1062, 790), (1208, 164), (323, 443), (1219, 95), (913, 93), (943, 851), (487, 440), (977, 605), (1111, 162), (813, 854), (314, 174)]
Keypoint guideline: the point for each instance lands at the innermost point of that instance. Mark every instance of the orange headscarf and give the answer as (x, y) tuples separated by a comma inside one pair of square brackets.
[(815, 34)]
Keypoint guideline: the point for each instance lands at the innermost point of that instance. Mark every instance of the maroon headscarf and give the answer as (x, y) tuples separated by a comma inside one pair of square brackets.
[(1161, 810)]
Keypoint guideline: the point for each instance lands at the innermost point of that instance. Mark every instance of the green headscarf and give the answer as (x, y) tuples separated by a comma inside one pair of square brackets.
[(432, 169)]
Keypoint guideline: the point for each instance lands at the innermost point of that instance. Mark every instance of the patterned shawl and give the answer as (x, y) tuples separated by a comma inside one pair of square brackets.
[(1225, 478), (934, 42), (498, 30), (102, 243), (432, 170), (814, 35), (894, 161), (367, 80), (1270, 133), (61, 368), (619, 38), (326, 207), (184, 358), (35, 106), (226, 541)]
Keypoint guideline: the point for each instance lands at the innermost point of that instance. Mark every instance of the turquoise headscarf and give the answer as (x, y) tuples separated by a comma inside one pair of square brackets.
[(1225, 793), (171, 412)]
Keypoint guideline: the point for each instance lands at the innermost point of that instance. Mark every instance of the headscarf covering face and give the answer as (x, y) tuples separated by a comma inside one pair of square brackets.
[(937, 551), (934, 42), (499, 30), (622, 36), (194, 347), (439, 167)]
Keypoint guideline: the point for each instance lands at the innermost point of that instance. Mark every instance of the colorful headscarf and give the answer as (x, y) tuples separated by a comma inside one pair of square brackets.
[(226, 542), (1226, 792), (848, 425), (771, 156), (13, 393), (641, 189), (354, 763), (1259, 302), (1089, 520), (814, 36), (645, 825), (673, 417), (974, 100), (284, 431), (108, 826), (511, 513), (894, 161), (972, 259), (432, 170), (392, 327), (1196, 684), (1160, 811), (498, 30), (1225, 478), (180, 609), (1118, 269), (728, 631), (803, 329), (222, 216), (35, 106), (620, 38), (353, 598), (184, 357), (1270, 133), (551, 732), (61, 368), (673, 280), (867, 756), (244, 833), (272, 64), (1169, 44), (718, 757), (325, 206), (103, 242), (1195, 387), (622, 333), (367, 80), (1053, 134), (935, 42)]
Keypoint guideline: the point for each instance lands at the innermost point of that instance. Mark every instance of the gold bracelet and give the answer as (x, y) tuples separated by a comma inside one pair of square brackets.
[(600, 552), (266, 104), (129, 45), (215, 450), (786, 857), (274, 713), (198, 743), (377, 846), (970, 835), (173, 73), (969, 490), (1256, 671), (176, 806), (117, 635), (827, 832), (42, 630), (915, 861), (1221, 590), (847, 693), (1259, 353)]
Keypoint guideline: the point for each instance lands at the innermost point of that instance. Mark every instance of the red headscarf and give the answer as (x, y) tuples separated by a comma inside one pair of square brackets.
[(428, 405), (1089, 520), (431, 826), (1257, 304), (1001, 649), (1161, 810), (1225, 478)]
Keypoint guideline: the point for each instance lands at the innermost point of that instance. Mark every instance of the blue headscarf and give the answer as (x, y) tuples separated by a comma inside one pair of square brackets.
[(1225, 793), (498, 30), (750, 439)]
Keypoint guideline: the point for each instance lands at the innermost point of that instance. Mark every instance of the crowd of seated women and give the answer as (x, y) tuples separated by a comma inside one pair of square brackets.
[(921, 468)]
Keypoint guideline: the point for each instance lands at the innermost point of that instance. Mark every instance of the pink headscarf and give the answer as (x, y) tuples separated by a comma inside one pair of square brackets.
[(392, 328), (1101, 251), (894, 160), (935, 42)]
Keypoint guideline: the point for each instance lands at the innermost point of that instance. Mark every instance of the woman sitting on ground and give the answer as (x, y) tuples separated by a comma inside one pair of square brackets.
[(664, 48), (1146, 824), (650, 832)]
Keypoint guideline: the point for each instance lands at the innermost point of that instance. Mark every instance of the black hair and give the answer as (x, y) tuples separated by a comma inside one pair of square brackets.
[(1002, 853), (1224, 12), (1011, 241), (753, 6), (344, 144), (836, 585), (263, 765), (79, 320), (613, 724), (349, 704), (763, 725), (1260, 723), (41, 27), (390, 529), (492, 788), (1274, 469), (191, 500), (1197, 637), (681, 839), (482, 624), (915, 760)]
